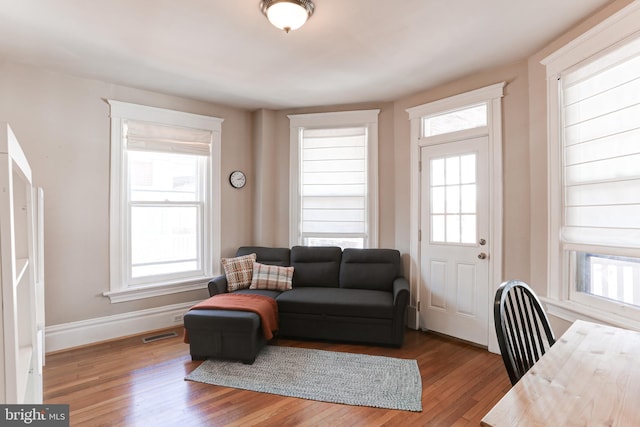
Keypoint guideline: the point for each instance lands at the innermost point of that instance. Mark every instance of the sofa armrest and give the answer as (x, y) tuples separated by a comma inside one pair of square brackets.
[(400, 292), (400, 303), (217, 285)]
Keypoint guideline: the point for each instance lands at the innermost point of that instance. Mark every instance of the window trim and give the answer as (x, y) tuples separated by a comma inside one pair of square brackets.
[(357, 118), (608, 34), (120, 290)]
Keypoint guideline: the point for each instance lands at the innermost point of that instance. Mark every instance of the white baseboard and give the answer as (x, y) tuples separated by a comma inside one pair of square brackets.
[(75, 334)]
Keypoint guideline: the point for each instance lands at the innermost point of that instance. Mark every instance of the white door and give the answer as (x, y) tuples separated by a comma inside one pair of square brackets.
[(454, 224)]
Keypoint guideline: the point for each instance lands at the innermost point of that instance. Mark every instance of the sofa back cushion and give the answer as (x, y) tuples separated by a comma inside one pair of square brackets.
[(269, 256), (373, 269), (317, 266)]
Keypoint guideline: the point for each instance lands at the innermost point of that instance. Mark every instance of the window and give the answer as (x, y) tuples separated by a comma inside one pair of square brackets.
[(452, 121), (615, 278), (595, 200), (601, 129), (453, 199), (164, 201), (334, 190)]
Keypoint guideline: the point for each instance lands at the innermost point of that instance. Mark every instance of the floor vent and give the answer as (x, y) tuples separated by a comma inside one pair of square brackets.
[(159, 337)]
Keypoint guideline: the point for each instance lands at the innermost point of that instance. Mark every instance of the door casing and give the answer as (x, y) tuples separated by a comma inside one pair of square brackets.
[(492, 95)]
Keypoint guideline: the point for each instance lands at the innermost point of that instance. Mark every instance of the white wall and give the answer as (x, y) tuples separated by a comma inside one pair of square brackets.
[(62, 123)]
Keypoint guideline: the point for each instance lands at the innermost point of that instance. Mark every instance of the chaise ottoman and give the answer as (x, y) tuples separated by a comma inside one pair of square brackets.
[(224, 334)]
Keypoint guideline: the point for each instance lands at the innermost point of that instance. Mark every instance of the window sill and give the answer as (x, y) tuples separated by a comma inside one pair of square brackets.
[(142, 292), (572, 311)]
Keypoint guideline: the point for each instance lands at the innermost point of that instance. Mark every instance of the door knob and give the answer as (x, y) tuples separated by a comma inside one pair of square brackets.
[(482, 255)]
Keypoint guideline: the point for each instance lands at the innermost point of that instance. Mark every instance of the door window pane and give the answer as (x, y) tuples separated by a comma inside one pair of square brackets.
[(453, 228), (453, 199), (468, 169), (468, 199), (437, 172), (438, 199), (452, 171), (453, 193)]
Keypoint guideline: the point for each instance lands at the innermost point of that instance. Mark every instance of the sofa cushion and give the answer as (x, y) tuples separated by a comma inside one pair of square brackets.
[(239, 271), (317, 266), (271, 277), (373, 269), (337, 302), (269, 256)]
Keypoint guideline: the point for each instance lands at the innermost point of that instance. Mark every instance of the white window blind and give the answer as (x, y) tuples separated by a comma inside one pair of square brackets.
[(601, 124), (334, 182), (145, 136)]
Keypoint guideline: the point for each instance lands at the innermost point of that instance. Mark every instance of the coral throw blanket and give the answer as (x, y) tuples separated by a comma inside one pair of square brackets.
[(265, 307)]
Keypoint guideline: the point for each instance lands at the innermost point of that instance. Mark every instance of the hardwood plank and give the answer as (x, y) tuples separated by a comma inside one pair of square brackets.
[(129, 383)]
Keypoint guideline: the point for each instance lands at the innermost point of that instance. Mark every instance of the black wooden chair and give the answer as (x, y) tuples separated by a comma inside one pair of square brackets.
[(522, 327)]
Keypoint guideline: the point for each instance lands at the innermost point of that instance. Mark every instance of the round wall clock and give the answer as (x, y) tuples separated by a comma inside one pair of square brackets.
[(237, 179)]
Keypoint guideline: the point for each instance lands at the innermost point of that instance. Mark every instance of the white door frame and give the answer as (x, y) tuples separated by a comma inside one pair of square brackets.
[(492, 96)]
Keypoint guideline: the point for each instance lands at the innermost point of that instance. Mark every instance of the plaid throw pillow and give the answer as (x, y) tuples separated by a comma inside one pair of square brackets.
[(271, 277), (239, 271)]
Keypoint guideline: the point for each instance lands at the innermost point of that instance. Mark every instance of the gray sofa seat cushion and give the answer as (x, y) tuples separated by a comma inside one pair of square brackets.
[(317, 266), (369, 269), (337, 302), (264, 255)]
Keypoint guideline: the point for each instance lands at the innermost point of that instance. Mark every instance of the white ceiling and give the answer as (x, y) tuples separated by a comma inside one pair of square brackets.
[(225, 51)]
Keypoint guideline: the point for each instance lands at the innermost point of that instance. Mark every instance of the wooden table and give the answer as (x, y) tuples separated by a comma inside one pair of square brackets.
[(591, 376)]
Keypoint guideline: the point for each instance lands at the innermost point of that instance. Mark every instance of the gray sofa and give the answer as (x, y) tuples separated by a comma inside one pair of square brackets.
[(355, 295)]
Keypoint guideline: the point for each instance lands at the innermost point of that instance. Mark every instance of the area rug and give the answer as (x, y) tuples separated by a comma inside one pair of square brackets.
[(328, 376)]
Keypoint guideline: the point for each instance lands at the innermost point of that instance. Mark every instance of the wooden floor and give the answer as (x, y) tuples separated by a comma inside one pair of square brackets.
[(129, 383)]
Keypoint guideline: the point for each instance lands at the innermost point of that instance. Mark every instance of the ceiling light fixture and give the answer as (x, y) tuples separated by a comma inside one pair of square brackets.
[(287, 14)]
